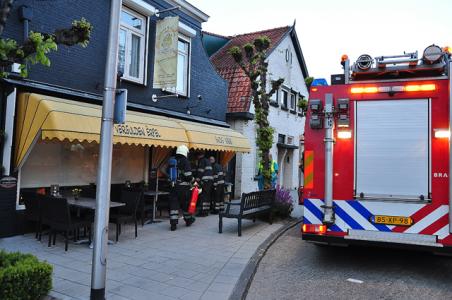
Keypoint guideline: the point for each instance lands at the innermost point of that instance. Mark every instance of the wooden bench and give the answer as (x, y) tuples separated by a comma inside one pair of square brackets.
[(249, 206)]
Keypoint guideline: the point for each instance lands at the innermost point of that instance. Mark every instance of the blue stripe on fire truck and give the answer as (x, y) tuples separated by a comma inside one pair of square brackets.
[(367, 214), (314, 215), (349, 215)]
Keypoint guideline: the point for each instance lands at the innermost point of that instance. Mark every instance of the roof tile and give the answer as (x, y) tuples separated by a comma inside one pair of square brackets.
[(239, 86)]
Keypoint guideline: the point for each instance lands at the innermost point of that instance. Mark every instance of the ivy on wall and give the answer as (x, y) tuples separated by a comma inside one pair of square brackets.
[(251, 59)]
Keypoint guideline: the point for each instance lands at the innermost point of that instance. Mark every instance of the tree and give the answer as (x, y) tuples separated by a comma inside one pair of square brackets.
[(251, 59), (308, 81), (36, 47)]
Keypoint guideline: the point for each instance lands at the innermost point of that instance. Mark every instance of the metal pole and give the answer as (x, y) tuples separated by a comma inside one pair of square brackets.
[(99, 266), (450, 145), (329, 142), (347, 71)]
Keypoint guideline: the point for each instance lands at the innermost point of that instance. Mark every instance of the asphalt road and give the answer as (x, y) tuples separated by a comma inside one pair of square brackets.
[(295, 269)]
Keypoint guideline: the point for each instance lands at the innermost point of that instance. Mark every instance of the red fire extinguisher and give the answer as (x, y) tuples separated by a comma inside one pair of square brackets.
[(300, 196), (193, 200)]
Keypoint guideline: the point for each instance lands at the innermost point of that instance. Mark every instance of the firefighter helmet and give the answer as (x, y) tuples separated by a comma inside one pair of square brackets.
[(182, 150)]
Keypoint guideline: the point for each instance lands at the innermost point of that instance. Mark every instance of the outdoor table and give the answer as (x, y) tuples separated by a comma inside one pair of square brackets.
[(90, 203), (155, 195)]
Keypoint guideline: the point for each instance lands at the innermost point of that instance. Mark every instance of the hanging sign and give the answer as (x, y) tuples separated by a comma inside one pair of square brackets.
[(165, 61)]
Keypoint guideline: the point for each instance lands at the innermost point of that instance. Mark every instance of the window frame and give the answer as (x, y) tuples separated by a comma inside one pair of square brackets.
[(187, 40), (293, 96), (143, 53), (286, 104)]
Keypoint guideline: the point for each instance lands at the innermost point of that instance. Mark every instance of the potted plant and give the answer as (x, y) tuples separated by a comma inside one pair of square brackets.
[(283, 205), (76, 193)]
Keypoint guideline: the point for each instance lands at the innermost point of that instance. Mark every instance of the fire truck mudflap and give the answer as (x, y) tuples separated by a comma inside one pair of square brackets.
[(386, 180)]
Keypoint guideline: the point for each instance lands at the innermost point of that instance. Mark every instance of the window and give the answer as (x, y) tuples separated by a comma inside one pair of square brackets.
[(281, 138), (299, 98), (285, 95), (132, 46), (292, 101), (183, 66), (275, 97)]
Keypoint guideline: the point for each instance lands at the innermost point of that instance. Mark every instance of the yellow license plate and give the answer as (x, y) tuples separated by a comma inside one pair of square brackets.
[(393, 220)]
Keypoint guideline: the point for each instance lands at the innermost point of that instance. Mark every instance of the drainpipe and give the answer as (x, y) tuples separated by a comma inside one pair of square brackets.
[(347, 71), (450, 145), (329, 142), (25, 15)]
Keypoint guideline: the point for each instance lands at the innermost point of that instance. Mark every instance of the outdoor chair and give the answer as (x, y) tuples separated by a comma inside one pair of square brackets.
[(127, 213), (56, 214), (145, 208), (32, 202)]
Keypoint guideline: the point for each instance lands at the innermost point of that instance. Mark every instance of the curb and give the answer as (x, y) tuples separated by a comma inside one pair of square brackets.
[(244, 282)]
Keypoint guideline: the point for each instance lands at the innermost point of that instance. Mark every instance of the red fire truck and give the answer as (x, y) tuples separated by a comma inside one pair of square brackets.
[(377, 156)]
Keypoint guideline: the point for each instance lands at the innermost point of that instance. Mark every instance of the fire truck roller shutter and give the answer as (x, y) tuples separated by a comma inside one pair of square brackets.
[(392, 148)]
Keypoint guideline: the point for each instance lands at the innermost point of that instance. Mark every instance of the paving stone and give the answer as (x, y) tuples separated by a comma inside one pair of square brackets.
[(226, 279), (214, 296), (192, 296), (221, 287), (190, 263)]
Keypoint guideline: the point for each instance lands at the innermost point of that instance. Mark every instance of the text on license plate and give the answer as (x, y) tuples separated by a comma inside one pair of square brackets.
[(392, 220)]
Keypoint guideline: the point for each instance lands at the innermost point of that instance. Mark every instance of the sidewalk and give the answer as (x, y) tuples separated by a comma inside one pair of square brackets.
[(191, 263)]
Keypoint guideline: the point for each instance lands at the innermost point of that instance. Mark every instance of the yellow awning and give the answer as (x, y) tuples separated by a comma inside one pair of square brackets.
[(45, 117), (208, 137)]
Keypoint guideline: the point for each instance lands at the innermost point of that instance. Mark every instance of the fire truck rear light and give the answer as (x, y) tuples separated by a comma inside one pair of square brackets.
[(344, 134), (389, 89), (420, 87), (442, 133), (364, 90), (314, 228), (370, 90)]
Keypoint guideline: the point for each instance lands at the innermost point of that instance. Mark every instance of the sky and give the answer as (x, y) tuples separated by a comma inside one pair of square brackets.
[(327, 29)]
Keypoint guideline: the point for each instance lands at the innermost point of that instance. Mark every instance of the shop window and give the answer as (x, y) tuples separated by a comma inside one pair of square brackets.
[(75, 164), (183, 66), (132, 46)]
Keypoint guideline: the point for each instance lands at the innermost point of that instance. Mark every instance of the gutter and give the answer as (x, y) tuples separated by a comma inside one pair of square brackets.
[(242, 115)]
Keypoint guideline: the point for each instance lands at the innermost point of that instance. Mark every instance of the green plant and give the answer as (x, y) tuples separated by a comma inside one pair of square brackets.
[(302, 104), (23, 276), (34, 50), (308, 81), (251, 59)]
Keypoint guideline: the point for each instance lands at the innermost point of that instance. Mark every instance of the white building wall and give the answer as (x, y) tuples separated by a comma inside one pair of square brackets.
[(284, 122)]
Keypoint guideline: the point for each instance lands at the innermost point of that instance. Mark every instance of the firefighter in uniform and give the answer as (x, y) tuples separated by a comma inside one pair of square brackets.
[(218, 186), (204, 177), (180, 191)]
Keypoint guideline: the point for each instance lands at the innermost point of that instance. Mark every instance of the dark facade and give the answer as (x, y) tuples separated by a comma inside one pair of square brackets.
[(83, 68), (77, 73)]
